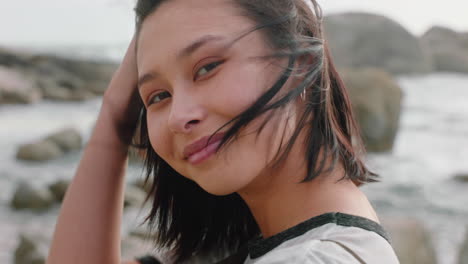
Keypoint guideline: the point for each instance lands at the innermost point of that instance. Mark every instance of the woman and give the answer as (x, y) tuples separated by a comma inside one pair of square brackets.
[(249, 138)]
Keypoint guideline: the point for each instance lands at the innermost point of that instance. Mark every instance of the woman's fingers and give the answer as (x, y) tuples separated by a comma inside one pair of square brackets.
[(122, 99)]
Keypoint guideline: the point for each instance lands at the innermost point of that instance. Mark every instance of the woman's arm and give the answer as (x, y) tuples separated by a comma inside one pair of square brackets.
[(88, 227)]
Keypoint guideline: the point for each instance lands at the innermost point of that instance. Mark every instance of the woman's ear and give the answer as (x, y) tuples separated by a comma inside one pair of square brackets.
[(303, 64)]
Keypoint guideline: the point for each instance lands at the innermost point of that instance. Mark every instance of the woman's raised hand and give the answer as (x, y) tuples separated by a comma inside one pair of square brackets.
[(121, 99), (89, 224)]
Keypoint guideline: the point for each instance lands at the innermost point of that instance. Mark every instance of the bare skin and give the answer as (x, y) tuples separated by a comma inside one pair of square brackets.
[(279, 201), (195, 107), (88, 227)]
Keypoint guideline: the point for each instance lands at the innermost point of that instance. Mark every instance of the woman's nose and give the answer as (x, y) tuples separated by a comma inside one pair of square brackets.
[(185, 114)]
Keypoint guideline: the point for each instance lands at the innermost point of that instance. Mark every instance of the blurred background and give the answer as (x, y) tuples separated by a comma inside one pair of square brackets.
[(405, 64)]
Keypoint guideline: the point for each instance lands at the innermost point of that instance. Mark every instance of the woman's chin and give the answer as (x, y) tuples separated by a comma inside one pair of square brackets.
[(220, 187)]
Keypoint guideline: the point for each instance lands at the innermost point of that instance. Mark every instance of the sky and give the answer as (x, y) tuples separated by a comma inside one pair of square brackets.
[(111, 22)]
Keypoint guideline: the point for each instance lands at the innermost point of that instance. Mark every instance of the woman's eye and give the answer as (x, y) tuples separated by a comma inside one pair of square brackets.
[(158, 98), (207, 68)]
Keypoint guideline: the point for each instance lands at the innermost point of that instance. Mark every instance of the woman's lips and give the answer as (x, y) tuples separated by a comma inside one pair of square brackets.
[(200, 150), (204, 154)]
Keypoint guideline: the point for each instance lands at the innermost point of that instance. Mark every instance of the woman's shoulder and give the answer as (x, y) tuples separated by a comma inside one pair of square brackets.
[(328, 238), (329, 251)]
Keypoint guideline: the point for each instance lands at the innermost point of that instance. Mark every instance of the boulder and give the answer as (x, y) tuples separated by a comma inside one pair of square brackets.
[(376, 100), (39, 151), (57, 83), (449, 49), (143, 232), (136, 156), (59, 188), (94, 75), (31, 250), (461, 177), (59, 78), (10, 58), (28, 196), (133, 196), (463, 255), (411, 241), (17, 88), (368, 40), (140, 183), (63, 88), (67, 140), (51, 147), (96, 71)]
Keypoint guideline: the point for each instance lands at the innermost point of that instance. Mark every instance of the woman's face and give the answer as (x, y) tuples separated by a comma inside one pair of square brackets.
[(192, 84)]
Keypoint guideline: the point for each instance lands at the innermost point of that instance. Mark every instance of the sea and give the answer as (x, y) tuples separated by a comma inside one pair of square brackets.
[(417, 176)]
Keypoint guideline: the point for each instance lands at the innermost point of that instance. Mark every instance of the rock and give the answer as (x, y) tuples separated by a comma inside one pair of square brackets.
[(449, 49), (96, 75), (84, 69), (51, 147), (68, 139), (28, 196), (411, 241), (59, 78), (59, 188), (133, 196), (63, 88), (39, 151), (463, 255), (10, 58), (140, 183), (462, 177), (143, 232), (368, 40), (59, 84), (16, 87), (136, 156), (31, 250), (449, 61), (376, 99)]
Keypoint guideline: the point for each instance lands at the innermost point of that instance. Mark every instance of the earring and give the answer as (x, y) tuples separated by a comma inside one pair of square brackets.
[(303, 95)]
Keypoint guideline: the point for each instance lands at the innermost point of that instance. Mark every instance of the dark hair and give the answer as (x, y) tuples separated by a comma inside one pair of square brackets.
[(192, 221)]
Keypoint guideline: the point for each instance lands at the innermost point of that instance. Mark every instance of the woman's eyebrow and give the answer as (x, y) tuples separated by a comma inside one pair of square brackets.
[(190, 49), (185, 52), (147, 77)]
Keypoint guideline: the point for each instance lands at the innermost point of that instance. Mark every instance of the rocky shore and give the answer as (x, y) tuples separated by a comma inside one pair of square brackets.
[(28, 78), (369, 40)]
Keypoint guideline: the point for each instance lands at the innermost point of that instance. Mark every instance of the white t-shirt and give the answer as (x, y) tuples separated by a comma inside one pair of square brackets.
[(331, 238)]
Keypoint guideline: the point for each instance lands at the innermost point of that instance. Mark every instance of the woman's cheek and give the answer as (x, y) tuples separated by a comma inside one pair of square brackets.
[(237, 94)]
